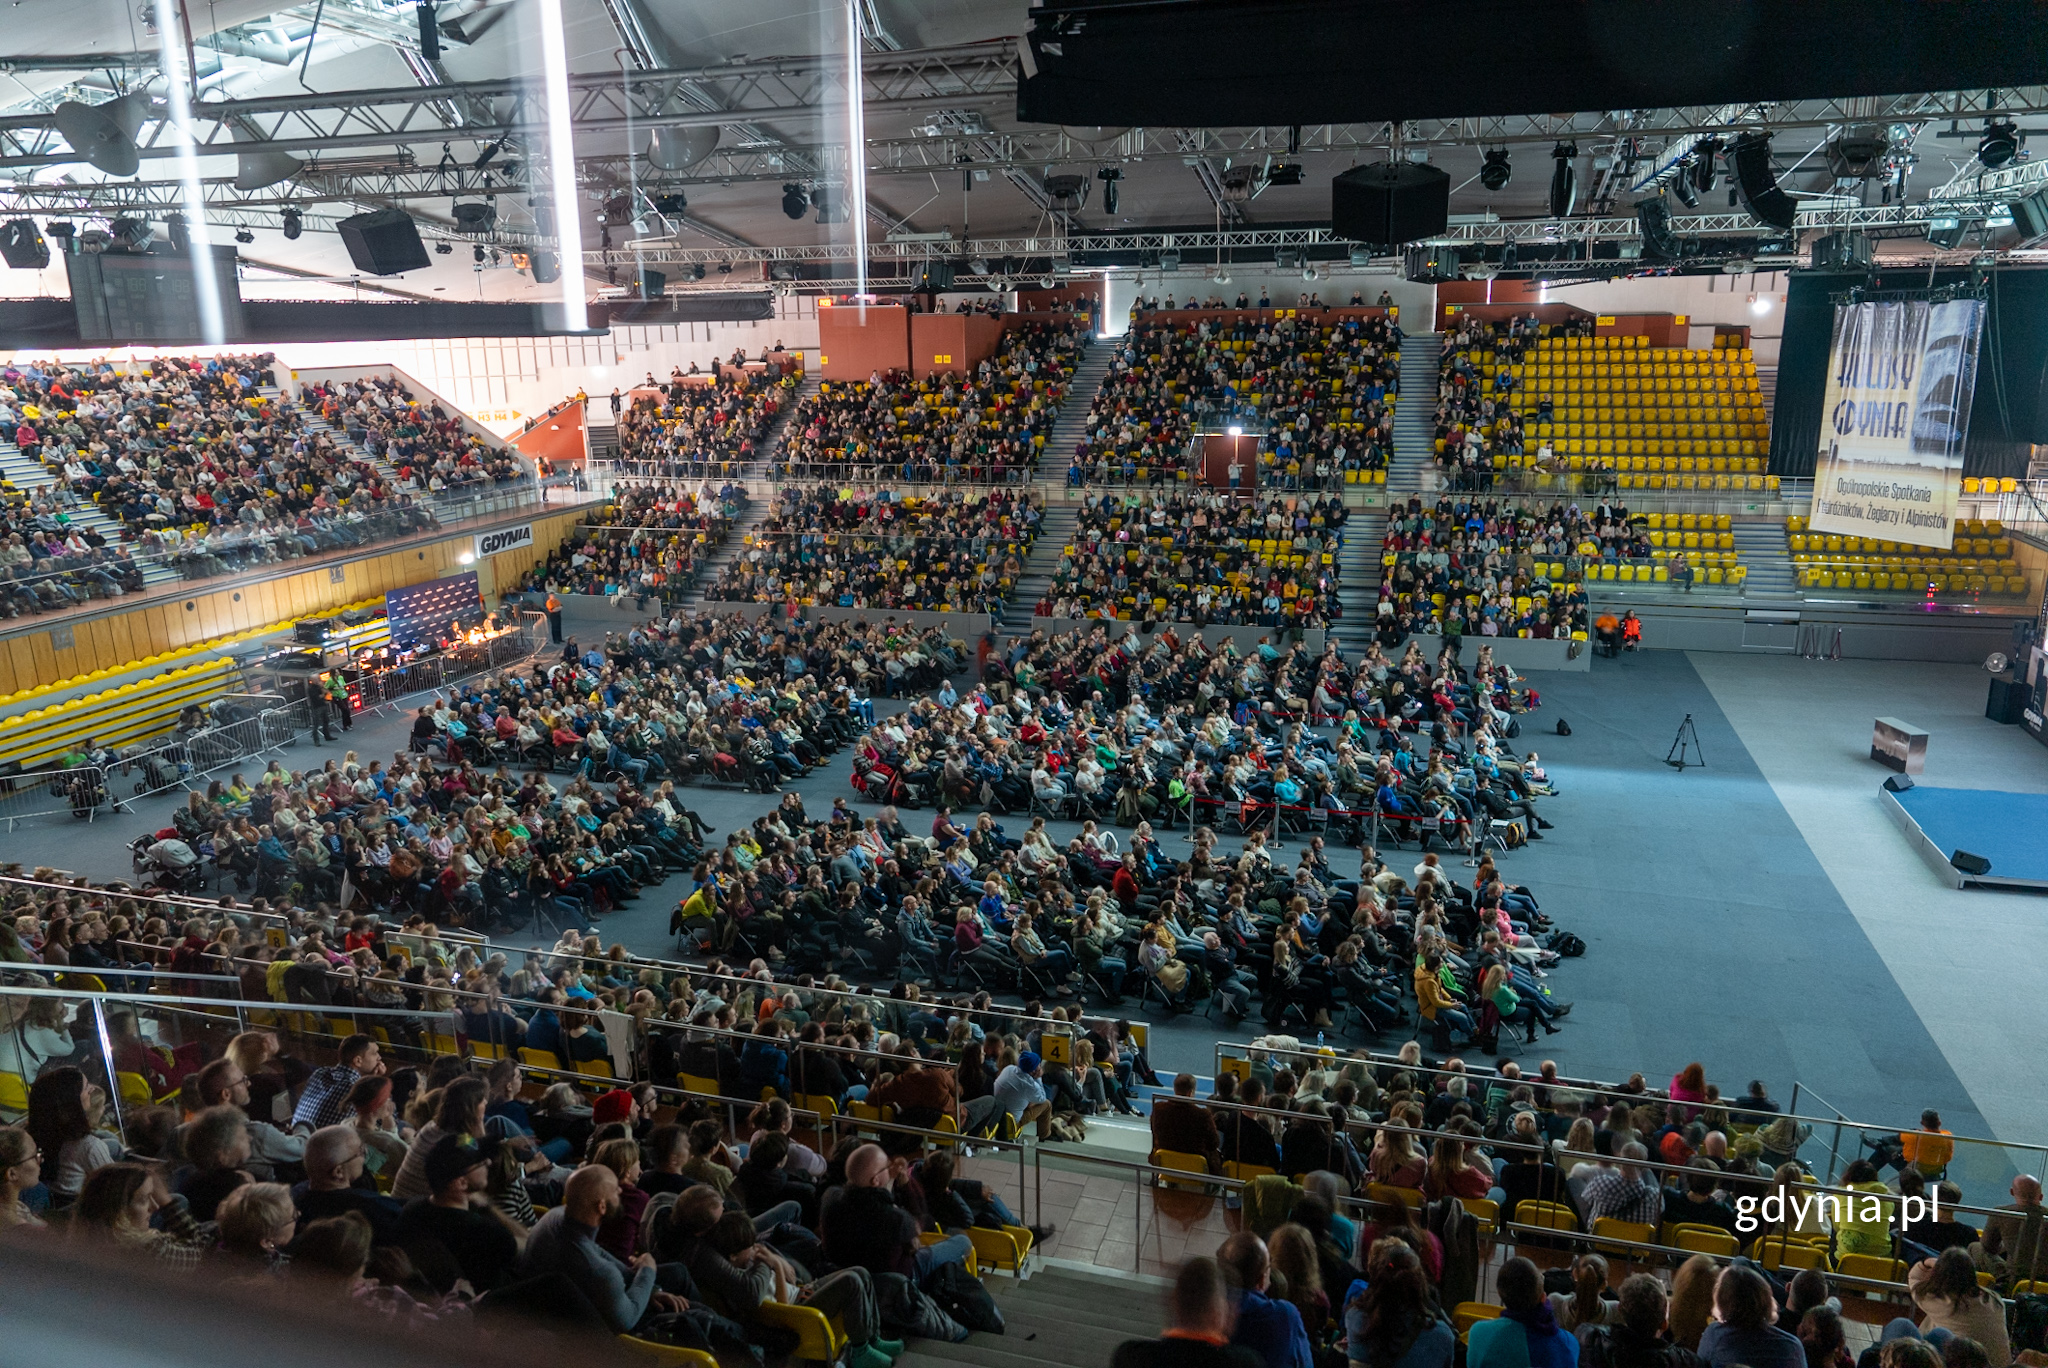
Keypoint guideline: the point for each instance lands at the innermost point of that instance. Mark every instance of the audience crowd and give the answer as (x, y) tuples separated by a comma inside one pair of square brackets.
[(1465, 568), (1322, 395), (952, 551), (1201, 558), (700, 427), (984, 428), (655, 538), (198, 469)]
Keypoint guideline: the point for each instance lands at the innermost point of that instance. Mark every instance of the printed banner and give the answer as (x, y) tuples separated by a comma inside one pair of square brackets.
[(504, 539), (1901, 376)]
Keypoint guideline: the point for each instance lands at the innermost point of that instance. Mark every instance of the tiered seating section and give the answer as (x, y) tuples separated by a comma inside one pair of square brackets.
[(425, 444), (1660, 418), (1342, 375), (702, 425), (952, 552), (655, 545), (1235, 568), (987, 427), (1979, 565), (1534, 589)]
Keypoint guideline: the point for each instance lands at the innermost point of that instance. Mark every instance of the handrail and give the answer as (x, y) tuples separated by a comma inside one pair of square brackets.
[(1335, 1062), (190, 905)]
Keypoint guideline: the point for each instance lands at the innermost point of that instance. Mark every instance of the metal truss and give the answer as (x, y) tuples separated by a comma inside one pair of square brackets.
[(732, 95)]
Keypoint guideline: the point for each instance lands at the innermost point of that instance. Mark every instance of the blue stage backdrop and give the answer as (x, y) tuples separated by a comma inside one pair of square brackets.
[(422, 612)]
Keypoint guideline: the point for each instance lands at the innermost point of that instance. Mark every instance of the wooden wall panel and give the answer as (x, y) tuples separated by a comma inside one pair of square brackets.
[(28, 660)]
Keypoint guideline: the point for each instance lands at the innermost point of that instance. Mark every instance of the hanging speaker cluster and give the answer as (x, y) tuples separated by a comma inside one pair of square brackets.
[(1564, 180), (1653, 220), (1756, 182)]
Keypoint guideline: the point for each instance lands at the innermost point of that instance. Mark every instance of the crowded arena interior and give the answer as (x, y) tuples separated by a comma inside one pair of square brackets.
[(1103, 686)]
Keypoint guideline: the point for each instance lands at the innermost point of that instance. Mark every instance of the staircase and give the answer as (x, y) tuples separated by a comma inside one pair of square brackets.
[(1057, 1318), (1055, 532), (1411, 471), (1358, 579), (770, 445), (28, 475), (600, 430), (752, 516), (1761, 543), (1072, 424)]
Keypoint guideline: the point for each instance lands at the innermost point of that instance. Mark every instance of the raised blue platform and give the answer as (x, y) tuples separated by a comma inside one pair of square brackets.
[(2008, 829)]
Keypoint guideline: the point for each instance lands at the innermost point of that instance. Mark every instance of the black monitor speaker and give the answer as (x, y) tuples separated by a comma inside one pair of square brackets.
[(2030, 215), (652, 283), (1967, 863), (1898, 783), (1390, 202), (384, 242)]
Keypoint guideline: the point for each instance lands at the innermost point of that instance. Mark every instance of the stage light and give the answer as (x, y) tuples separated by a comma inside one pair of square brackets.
[(795, 201), (1496, 173), (293, 224), (554, 49), (443, 249), (1703, 164), (244, 236), (1109, 176), (2000, 143), (1760, 305), (1234, 430), (1681, 186), (476, 254)]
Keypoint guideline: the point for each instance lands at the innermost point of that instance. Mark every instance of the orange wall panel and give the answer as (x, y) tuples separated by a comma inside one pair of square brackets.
[(855, 341)]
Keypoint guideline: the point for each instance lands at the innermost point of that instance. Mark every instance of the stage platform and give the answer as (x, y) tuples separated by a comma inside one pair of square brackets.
[(2008, 829)]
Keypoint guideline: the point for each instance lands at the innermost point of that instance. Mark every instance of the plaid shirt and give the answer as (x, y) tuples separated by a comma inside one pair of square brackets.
[(1625, 1199), (326, 1097)]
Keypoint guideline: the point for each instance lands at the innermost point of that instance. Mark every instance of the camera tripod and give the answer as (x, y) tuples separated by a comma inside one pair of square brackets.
[(1688, 738)]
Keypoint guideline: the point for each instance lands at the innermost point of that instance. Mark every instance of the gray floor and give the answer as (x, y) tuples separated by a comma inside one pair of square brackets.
[(1759, 915)]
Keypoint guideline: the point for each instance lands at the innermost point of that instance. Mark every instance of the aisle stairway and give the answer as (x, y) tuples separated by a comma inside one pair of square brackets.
[(1411, 469), (1054, 535), (771, 444), (28, 475), (1761, 544), (753, 515), (1358, 579), (1059, 1317), (1073, 420)]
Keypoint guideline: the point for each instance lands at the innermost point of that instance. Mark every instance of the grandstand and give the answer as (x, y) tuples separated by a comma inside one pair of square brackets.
[(1011, 802)]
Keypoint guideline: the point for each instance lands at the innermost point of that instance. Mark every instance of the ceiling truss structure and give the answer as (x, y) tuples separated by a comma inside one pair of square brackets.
[(359, 150)]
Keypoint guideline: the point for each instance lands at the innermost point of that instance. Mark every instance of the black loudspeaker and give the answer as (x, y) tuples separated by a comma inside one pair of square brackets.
[(1390, 202), (22, 246), (933, 277), (652, 283), (2030, 215), (2007, 701), (1757, 183), (1898, 783), (385, 242), (546, 266), (1967, 863), (1659, 242)]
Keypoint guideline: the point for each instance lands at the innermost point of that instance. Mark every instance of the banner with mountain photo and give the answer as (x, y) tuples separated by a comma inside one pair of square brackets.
[(1901, 377)]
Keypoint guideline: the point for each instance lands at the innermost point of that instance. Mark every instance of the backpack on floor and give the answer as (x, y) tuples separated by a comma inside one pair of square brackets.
[(960, 1295), (1567, 945), (1564, 728)]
